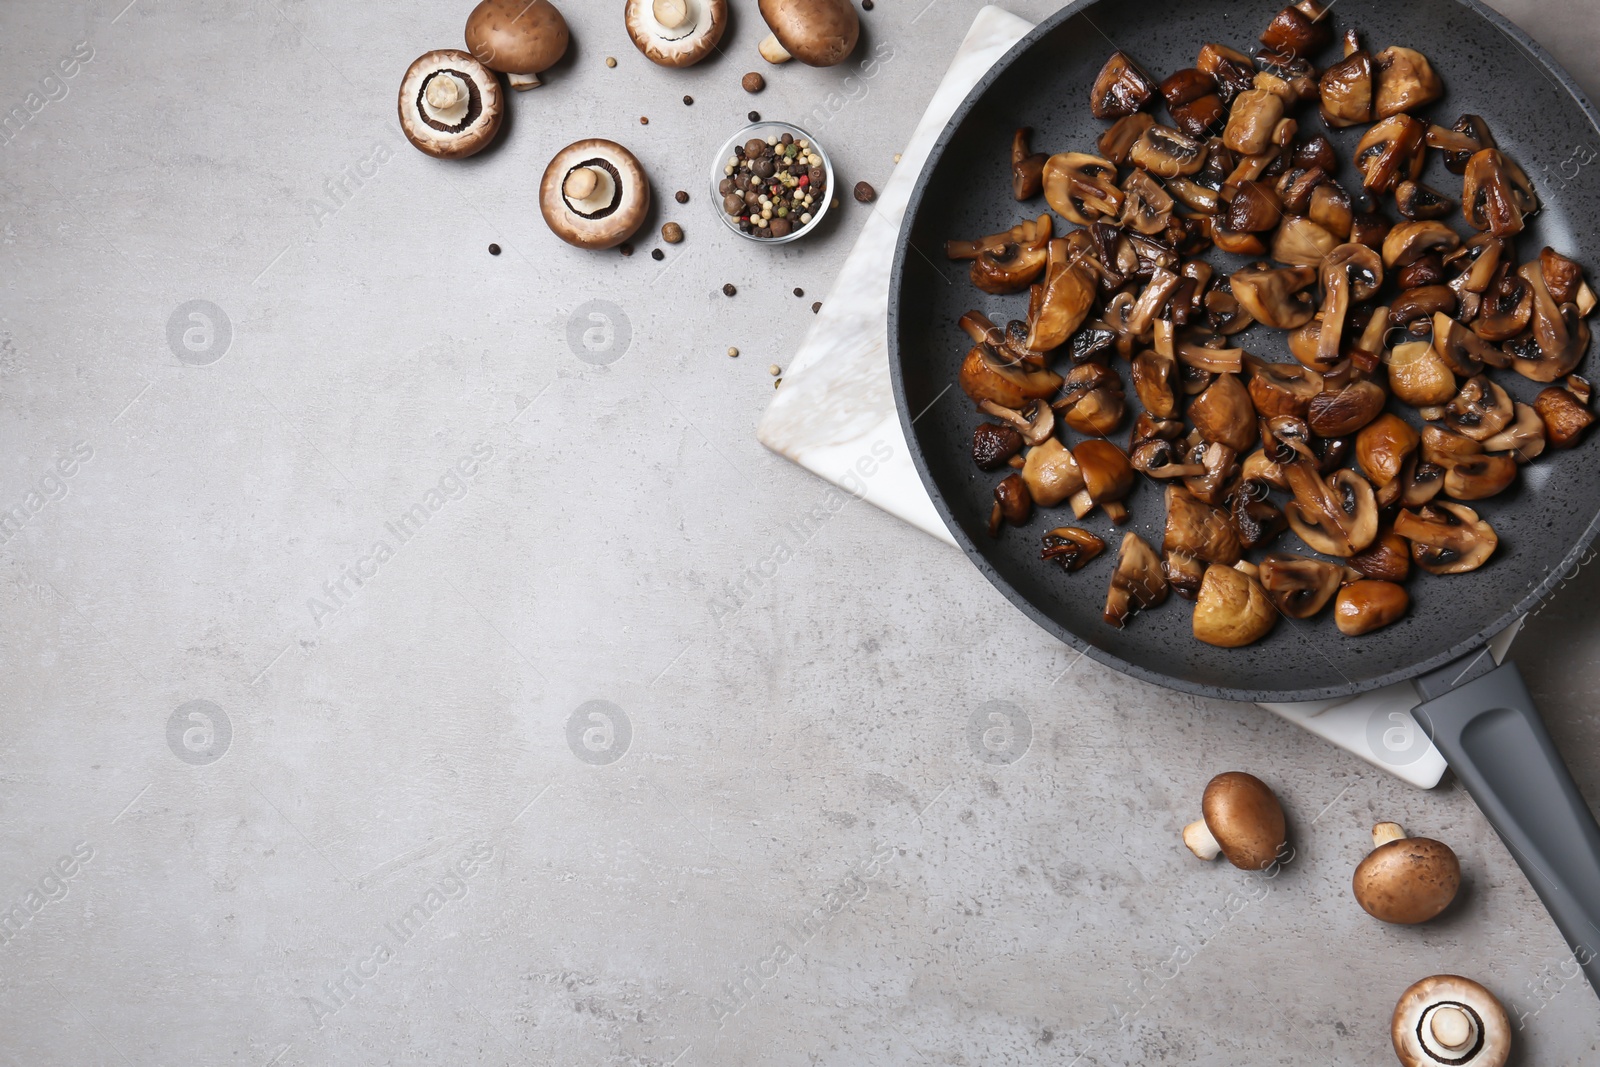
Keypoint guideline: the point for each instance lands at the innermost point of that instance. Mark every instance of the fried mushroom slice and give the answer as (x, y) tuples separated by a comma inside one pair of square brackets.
[(1198, 529), (1225, 413), (1405, 81), (1447, 538), (1524, 439), (1564, 415), (984, 376), (1232, 609), (1051, 473), (1121, 88), (1561, 334), (1346, 90), (1336, 515), (1281, 388), (1137, 582), (1071, 547), (1081, 187), (1300, 586), (1383, 449), (1275, 296), (1496, 194), (1367, 605), (1480, 410), (1391, 152)]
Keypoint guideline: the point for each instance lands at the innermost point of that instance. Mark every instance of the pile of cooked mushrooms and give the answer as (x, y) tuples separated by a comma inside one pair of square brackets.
[(1373, 445)]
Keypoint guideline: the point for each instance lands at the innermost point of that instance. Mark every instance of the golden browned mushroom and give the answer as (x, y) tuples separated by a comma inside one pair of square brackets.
[(1166, 153), (1340, 413), (1036, 421), (1224, 413), (1346, 90), (1410, 241), (1406, 880), (1496, 194), (1051, 473), (819, 33), (1027, 166), (1300, 586), (1383, 448), (1118, 140), (1242, 820), (1232, 70), (1461, 349), (1336, 515), (1281, 388), (1152, 381), (1391, 152), (1071, 547), (1419, 376), (1447, 538), (1405, 81), (1252, 121), (1523, 439), (1082, 187), (1065, 299), (1011, 497), (1232, 609), (1450, 1021), (1007, 262), (1137, 583), (1565, 416), (1121, 88), (519, 38), (993, 445), (1560, 334), (1198, 530), (1193, 102), (1107, 479), (1146, 206), (1418, 201), (984, 377), (1091, 400), (1369, 604), (1275, 296), (1299, 29)]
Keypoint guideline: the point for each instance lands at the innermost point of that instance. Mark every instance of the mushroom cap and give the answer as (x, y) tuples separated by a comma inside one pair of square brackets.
[(819, 33), (683, 46), (1244, 815), (623, 201), (1407, 881), (1416, 1040), (517, 36), (480, 120)]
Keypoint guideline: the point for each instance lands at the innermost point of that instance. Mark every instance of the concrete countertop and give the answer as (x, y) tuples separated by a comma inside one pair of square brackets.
[(415, 658)]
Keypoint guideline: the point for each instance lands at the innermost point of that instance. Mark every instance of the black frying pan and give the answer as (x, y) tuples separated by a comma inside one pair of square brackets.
[(1480, 717)]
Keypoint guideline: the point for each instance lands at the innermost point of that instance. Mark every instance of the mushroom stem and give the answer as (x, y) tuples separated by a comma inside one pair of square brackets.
[(581, 183), (1197, 835), (772, 51), (523, 82), (672, 14), (1385, 832), (443, 93), (1451, 1027)]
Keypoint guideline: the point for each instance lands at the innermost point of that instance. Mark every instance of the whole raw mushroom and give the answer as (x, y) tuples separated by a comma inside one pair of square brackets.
[(594, 194), (1242, 819), (819, 33), (450, 104), (1450, 1020), (519, 38), (676, 33), (1406, 879)]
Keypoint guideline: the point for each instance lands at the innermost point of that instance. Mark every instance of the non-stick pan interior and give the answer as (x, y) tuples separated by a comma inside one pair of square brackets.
[(1489, 68)]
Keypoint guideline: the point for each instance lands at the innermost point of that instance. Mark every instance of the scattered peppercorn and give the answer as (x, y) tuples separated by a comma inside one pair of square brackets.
[(611, 61), (865, 193), (816, 307), (799, 292), (866, 5), (754, 116), (688, 99), (657, 255), (774, 370), (625, 248), (753, 82), (644, 120), (729, 290), (494, 250), (733, 353), (681, 197), (672, 233)]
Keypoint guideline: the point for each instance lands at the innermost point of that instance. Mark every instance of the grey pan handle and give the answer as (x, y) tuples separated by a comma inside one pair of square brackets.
[(1493, 738)]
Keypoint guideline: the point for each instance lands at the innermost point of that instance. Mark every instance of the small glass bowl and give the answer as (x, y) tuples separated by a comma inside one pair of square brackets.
[(764, 130)]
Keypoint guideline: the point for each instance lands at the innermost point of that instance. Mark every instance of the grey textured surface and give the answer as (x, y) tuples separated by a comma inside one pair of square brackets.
[(800, 676)]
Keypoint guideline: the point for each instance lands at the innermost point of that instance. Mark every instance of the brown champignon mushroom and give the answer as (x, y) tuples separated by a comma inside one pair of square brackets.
[(1241, 819), (1496, 194), (1346, 90), (1255, 518), (1410, 241), (1390, 152), (1450, 1020), (1198, 530), (1387, 559), (819, 33), (1252, 121), (1417, 201), (1336, 515), (1027, 166), (1065, 297), (1051, 473), (984, 376), (1255, 208), (1013, 501), (1071, 547), (1406, 880), (1405, 81), (1107, 478), (594, 194), (1275, 296), (1469, 136), (1369, 604), (1166, 153), (1082, 187), (676, 33), (1463, 351), (1447, 538), (1121, 88), (1383, 448), (1523, 439), (1192, 100), (1480, 410), (1564, 278), (519, 38), (1009, 261), (993, 445), (1232, 609), (1137, 582), (1564, 414), (1224, 413), (1340, 413), (1231, 69), (1092, 401), (1221, 466), (1561, 335), (451, 106), (1300, 586), (1507, 307), (1299, 29), (1282, 388)]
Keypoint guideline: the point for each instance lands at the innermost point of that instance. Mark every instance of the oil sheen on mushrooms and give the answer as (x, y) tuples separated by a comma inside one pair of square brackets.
[(1430, 356)]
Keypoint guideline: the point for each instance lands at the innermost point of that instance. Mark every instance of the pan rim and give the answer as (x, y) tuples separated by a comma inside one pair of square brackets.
[(1537, 593)]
